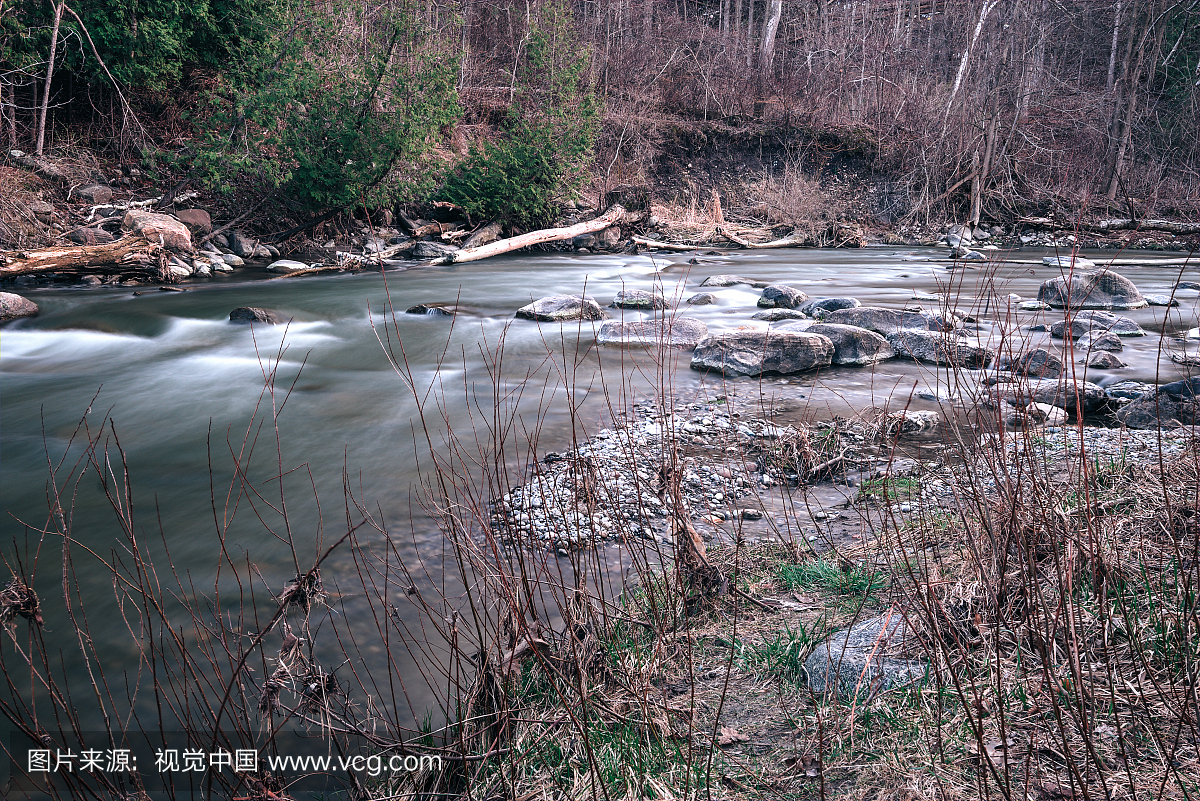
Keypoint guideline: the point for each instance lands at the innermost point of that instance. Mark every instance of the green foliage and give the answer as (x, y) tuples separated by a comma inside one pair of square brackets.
[(830, 576), (332, 128), (549, 133), (783, 655)]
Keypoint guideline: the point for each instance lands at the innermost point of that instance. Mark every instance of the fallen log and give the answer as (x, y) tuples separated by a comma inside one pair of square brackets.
[(787, 242), (654, 243), (1148, 225), (131, 254), (615, 214)]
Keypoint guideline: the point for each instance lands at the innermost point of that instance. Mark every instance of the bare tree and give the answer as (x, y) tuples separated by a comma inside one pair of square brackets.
[(766, 50), (45, 109)]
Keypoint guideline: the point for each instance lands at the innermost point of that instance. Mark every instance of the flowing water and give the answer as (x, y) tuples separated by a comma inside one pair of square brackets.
[(180, 384)]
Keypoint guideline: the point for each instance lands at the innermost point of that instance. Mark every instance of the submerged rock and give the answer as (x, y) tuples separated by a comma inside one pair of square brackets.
[(639, 299), (287, 267), (433, 309), (253, 314), (1103, 289), (557, 308), (934, 347), (752, 353), (820, 307), (702, 299), (1103, 360), (777, 315), (885, 321), (675, 332), (1086, 322), (781, 296), (852, 345), (733, 280)]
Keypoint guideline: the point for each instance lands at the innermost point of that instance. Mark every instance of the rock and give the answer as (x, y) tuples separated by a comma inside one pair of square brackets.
[(820, 307), (966, 254), (42, 210), (1103, 360), (1161, 300), (1125, 391), (90, 236), (958, 236), (1067, 262), (732, 280), (241, 245), (1188, 285), (288, 267), (753, 353), (776, 315), (1064, 393), (980, 234), (934, 347), (262, 252), (781, 296), (609, 238), (639, 299), (1039, 363), (1171, 405), (95, 194), (159, 228), (432, 250), (91, 280), (1099, 341), (483, 236), (14, 306), (885, 321), (702, 299), (556, 308), (1090, 322), (198, 221), (1037, 414), (852, 345), (584, 241), (433, 309), (1032, 305), (232, 260), (253, 314), (1102, 289), (864, 659), (675, 332), (177, 270)]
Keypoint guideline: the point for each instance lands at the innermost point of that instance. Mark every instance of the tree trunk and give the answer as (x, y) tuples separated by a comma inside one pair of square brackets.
[(766, 50), (615, 214), (1112, 53), (750, 36), (41, 128), (966, 56), (131, 254)]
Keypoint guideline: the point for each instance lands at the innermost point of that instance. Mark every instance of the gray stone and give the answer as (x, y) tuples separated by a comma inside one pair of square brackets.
[(753, 353), (584, 241), (1102, 289), (639, 299), (1169, 406), (885, 321), (556, 308), (253, 314), (159, 228), (232, 260), (733, 280), (42, 210), (14, 306), (94, 193), (288, 267), (1103, 360), (702, 299), (90, 236), (1161, 300), (1099, 341), (818, 308), (854, 346), (1065, 393), (1032, 305), (1188, 285), (1090, 322), (932, 347), (1125, 391), (242, 245), (674, 332), (609, 238), (1037, 414), (864, 659), (777, 315), (198, 221), (1039, 363), (433, 309), (781, 296), (432, 250)]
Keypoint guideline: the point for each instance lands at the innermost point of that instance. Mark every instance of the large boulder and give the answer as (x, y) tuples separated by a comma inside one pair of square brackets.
[(1038, 363), (854, 346), (781, 296), (198, 221), (674, 332), (819, 307), (159, 228), (14, 306), (242, 245), (1102, 289), (557, 308), (1087, 322), (865, 659), (1065, 393), (253, 314), (751, 353), (639, 299), (885, 321), (933, 347), (1169, 406)]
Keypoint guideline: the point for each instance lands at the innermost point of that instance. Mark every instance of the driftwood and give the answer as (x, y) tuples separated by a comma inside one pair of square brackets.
[(786, 242), (133, 253), (1105, 226), (654, 243), (615, 214)]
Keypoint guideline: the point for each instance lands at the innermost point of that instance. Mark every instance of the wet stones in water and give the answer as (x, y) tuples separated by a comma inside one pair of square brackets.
[(1039, 363), (639, 299), (1161, 300), (733, 280), (778, 315), (781, 296), (1064, 393), (288, 267), (1099, 341), (13, 306), (1103, 360), (675, 332), (557, 308), (1125, 391), (1037, 414), (1103, 289), (1194, 285), (1169, 406), (932, 347), (885, 321), (433, 309), (854, 346), (253, 314), (864, 659), (1086, 322), (819, 307), (702, 299), (752, 353)]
